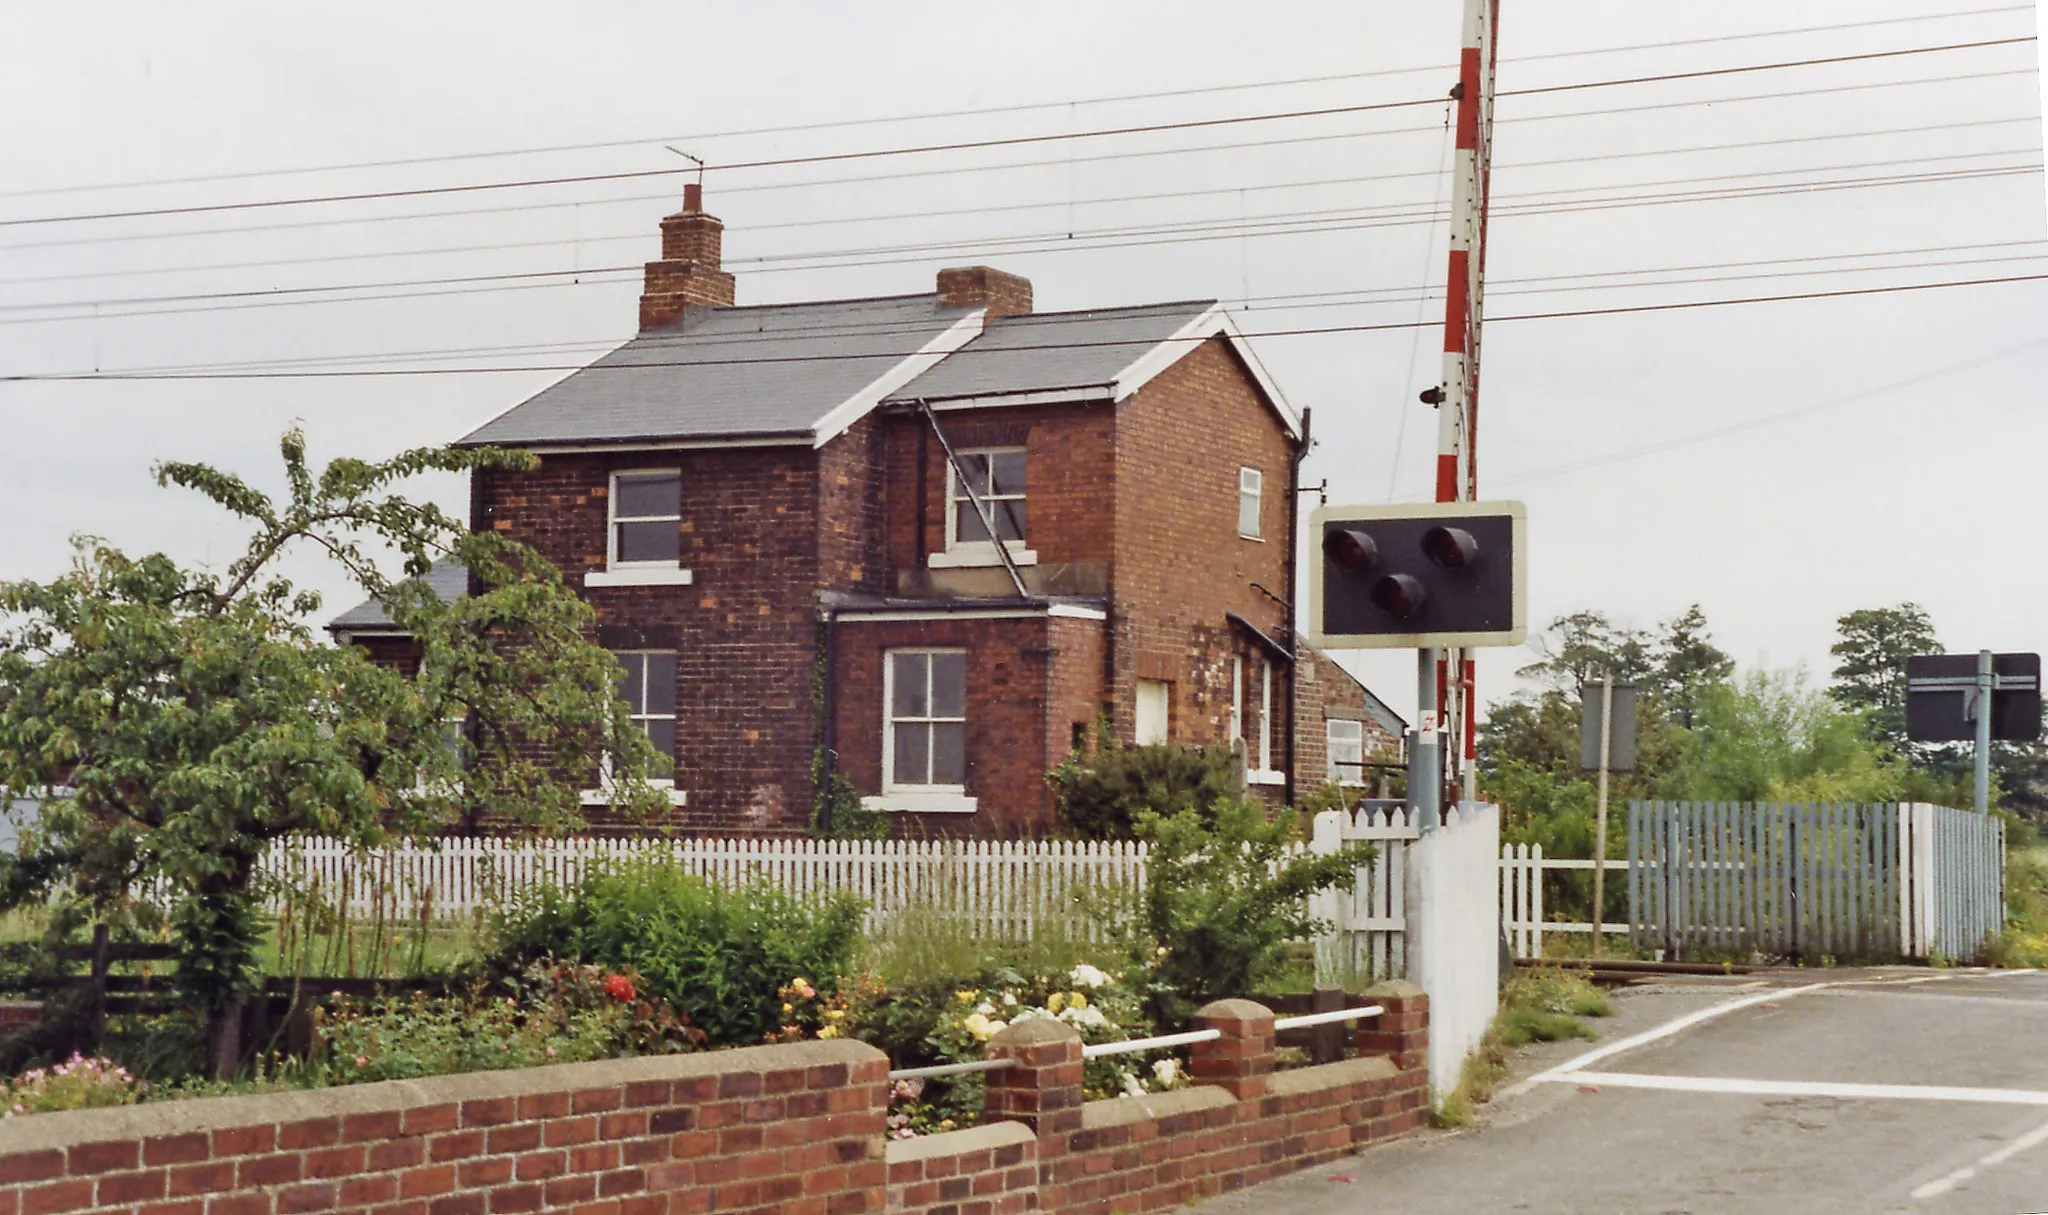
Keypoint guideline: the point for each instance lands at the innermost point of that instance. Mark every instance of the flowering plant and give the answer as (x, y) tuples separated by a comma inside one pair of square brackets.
[(77, 1083)]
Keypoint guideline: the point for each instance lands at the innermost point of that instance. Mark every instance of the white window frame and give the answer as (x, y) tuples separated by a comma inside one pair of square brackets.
[(1337, 774), (665, 572), (607, 786), (1251, 484), (1258, 754), (960, 553), (929, 799)]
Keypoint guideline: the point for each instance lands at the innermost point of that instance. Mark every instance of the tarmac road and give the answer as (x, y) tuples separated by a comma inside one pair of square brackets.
[(1888, 1090)]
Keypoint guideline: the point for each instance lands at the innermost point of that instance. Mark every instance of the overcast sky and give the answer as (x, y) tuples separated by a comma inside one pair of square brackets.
[(1778, 463)]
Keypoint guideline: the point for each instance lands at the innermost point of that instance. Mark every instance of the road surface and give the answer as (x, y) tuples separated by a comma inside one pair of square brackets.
[(1817, 1091)]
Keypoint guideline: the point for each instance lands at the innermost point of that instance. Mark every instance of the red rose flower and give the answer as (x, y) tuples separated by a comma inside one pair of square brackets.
[(619, 988)]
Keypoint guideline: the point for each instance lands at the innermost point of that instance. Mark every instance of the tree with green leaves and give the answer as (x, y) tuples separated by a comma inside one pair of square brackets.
[(199, 722), (1685, 664), (1583, 646), (1871, 648)]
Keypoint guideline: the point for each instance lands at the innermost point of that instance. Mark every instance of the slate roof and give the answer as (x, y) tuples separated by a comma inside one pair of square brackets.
[(448, 579), (782, 371), (1052, 350), (728, 373)]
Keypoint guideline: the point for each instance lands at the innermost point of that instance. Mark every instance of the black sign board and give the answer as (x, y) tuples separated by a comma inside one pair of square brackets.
[(1431, 575), (1941, 697)]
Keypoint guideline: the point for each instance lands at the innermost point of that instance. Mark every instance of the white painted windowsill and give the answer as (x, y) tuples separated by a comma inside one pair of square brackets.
[(977, 557), (641, 575), (921, 803), (1257, 777), (604, 796)]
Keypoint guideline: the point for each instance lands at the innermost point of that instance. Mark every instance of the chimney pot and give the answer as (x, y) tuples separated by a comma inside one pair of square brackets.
[(693, 198), (689, 271)]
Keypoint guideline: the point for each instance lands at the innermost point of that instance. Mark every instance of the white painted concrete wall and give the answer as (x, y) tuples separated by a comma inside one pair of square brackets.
[(1454, 935)]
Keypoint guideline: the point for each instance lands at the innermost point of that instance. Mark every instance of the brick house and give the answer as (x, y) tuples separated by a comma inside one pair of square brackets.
[(925, 541)]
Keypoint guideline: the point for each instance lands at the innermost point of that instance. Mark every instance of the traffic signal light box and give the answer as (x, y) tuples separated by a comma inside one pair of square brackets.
[(1418, 577)]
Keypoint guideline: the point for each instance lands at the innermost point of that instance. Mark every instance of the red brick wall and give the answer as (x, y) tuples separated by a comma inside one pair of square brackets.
[(1324, 691), (789, 1129), (986, 1170), (1179, 562), (1028, 679), (853, 499), (745, 630)]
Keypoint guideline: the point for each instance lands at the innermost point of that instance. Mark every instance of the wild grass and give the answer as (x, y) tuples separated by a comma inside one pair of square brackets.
[(1541, 1004), (2024, 940), (922, 943)]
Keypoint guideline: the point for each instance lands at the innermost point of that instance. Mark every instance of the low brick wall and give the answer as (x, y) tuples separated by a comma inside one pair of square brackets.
[(791, 1129), (1241, 1123)]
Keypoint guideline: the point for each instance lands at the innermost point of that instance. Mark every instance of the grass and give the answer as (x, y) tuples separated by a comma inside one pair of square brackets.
[(1542, 1004), (2024, 940), (921, 943)]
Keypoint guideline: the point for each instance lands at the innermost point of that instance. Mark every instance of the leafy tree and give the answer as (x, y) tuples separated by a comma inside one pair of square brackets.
[(1581, 647), (1871, 648), (199, 720), (1686, 663)]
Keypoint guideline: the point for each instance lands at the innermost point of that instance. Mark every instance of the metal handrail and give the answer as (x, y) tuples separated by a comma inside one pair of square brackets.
[(1134, 1045), (1161, 1042), (950, 1069), (1326, 1018)]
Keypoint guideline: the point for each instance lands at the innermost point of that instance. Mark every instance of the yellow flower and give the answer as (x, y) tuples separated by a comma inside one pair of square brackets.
[(1055, 1001), (835, 1014), (829, 1031), (1077, 1000), (788, 1009), (965, 997)]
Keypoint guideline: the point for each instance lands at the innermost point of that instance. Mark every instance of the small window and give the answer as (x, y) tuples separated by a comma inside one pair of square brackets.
[(646, 518), (1347, 752), (1155, 697), (649, 690), (1250, 486), (925, 723), (997, 478)]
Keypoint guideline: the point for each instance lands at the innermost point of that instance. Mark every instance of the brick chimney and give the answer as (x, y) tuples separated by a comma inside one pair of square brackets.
[(977, 286), (688, 272)]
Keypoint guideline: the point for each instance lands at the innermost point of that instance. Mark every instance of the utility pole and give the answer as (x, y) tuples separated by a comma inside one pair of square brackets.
[(1600, 813), (1448, 700), (1986, 682)]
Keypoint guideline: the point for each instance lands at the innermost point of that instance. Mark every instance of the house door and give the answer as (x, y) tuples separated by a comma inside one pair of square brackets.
[(1153, 698)]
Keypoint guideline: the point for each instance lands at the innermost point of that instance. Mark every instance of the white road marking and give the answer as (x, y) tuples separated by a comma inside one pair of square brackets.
[(1800, 1088), (1942, 1185), (1666, 1030)]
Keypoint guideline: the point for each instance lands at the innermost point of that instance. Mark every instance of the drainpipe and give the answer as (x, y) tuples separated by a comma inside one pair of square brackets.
[(1294, 593), (827, 705)]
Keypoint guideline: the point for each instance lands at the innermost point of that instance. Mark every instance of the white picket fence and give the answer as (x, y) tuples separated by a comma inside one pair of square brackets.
[(1369, 919), (1000, 888)]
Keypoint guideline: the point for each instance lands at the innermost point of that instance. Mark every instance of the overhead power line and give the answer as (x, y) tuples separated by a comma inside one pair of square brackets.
[(984, 111), (1339, 219), (994, 143), (382, 372), (642, 235)]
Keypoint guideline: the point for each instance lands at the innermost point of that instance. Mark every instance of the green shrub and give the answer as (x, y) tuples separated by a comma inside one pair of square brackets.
[(1225, 893), (1102, 795), (78, 1083), (1555, 989), (716, 956)]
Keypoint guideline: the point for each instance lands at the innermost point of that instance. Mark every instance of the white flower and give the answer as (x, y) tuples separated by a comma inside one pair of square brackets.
[(1009, 999), (985, 1008), (1133, 1087), (1090, 1017), (1085, 975), (1166, 1071)]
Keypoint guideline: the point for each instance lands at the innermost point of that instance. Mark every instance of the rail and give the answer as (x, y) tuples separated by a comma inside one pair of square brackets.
[(1134, 1045)]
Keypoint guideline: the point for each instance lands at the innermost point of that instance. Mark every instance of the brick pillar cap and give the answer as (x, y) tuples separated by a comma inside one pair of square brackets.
[(1034, 1031), (1397, 989), (1234, 1010)]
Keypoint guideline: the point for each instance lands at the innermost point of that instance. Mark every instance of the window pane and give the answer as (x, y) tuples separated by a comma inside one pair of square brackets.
[(949, 754), (907, 675), (949, 685), (661, 541), (967, 526), (662, 733), (1006, 472), (642, 494), (632, 689), (661, 682), (976, 469), (1009, 519), (1248, 514), (913, 751)]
